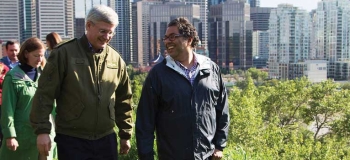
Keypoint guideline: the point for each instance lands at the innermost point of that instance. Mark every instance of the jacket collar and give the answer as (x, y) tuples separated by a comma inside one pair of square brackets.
[(203, 61), (85, 43), (87, 48), (18, 74)]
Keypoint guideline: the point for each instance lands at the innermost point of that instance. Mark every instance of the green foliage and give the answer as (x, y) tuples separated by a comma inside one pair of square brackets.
[(272, 119), (346, 86), (136, 87)]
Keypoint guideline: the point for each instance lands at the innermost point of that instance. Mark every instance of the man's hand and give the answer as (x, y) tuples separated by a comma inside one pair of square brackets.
[(124, 146), (12, 143), (217, 155), (43, 142)]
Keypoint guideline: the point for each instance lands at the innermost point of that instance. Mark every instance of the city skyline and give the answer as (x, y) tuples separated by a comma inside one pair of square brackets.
[(303, 4)]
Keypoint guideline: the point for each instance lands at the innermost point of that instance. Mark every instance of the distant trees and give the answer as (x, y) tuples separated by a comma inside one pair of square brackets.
[(291, 119), (272, 119)]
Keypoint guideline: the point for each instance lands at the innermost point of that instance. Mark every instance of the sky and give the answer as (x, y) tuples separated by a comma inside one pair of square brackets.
[(303, 4)]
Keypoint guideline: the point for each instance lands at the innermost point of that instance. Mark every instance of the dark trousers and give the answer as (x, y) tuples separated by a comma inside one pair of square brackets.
[(72, 148)]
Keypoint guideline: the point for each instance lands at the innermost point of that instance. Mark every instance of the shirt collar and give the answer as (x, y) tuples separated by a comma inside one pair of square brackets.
[(92, 49), (195, 63)]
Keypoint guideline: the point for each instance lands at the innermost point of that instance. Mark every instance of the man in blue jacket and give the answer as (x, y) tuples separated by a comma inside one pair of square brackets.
[(12, 50), (184, 101)]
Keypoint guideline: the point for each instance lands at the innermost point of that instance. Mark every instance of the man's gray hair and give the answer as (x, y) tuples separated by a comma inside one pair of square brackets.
[(104, 14)]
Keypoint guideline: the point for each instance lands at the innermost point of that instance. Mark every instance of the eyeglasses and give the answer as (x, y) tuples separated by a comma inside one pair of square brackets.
[(172, 37), (104, 32)]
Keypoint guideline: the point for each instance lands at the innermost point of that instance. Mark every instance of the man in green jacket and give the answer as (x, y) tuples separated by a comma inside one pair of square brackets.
[(89, 82)]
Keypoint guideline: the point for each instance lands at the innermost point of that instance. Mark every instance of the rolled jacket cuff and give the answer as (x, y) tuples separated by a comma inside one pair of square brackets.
[(9, 132)]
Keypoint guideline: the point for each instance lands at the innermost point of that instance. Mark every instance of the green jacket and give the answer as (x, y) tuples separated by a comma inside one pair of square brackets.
[(92, 92), (18, 92)]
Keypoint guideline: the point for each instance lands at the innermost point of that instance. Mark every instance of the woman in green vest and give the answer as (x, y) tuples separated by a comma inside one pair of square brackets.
[(19, 87)]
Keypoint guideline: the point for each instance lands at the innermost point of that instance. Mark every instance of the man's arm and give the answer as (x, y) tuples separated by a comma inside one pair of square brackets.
[(42, 106), (145, 119), (48, 87), (222, 117), (123, 108)]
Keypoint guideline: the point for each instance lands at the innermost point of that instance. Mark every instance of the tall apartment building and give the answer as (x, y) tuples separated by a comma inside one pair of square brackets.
[(123, 38), (260, 17), (231, 31), (141, 32), (54, 16), (332, 35), (260, 48), (161, 15), (214, 2), (289, 39), (9, 19), (79, 24), (254, 3), (69, 18), (27, 18), (27, 23)]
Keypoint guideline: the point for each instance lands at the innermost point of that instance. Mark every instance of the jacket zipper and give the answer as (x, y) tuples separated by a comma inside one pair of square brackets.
[(97, 73)]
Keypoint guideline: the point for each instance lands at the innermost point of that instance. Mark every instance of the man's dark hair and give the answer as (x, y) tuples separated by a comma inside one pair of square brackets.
[(10, 43), (186, 29)]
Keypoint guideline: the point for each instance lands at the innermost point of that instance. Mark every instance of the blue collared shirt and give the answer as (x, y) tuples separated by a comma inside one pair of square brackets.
[(190, 73), (92, 49), (12, 65)]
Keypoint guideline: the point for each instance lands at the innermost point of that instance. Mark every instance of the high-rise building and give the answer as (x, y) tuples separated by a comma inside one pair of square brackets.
[(69, 18), (141, 32), (260, 48), (214, 2), (260, 17), (54, 16), (27, 20), (161, 15), (289, 39), (123, 38), (9, 20), (79, 27), (254, 3), (231, 31), (332, 36)]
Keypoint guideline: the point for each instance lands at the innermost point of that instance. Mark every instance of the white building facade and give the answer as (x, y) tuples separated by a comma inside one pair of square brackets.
[(332, 33), (289, 39)]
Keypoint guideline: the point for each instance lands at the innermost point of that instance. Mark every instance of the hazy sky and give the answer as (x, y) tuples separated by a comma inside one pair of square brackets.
[(304, 4)]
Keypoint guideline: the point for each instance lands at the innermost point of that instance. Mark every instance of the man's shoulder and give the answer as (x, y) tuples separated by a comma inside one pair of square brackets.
[(113, 50), (65, 43), (3, 58), (5, 61)]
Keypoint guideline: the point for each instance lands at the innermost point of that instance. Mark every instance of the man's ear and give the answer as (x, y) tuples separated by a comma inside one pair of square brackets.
[(189, 40), (88, 25)]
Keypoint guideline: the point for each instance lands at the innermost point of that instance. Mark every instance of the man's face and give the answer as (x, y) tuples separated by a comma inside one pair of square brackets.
[(174, 42), (12, 52), (99, 33)]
